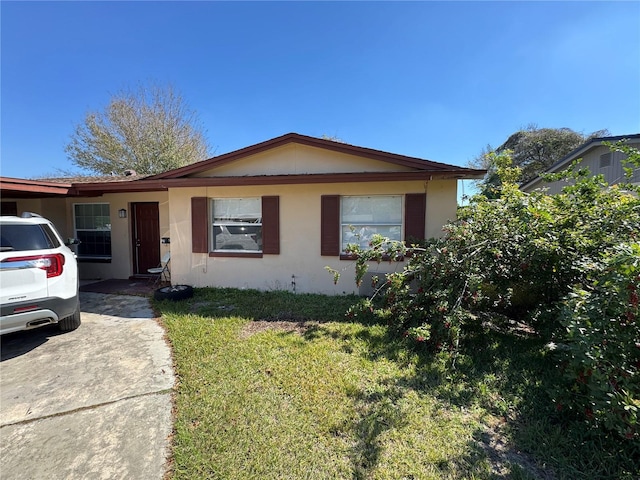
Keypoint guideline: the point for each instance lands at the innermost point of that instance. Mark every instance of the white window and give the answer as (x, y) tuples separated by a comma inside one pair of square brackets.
[(237, 224), (92, 223), (363, 217)]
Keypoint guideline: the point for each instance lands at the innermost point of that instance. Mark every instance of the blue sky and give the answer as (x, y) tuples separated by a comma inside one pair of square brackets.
[(435, 80)]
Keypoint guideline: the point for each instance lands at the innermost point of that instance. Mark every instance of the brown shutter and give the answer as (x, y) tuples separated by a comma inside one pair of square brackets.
[(414, 216), (199, 225), (330, 225), (271, 225)]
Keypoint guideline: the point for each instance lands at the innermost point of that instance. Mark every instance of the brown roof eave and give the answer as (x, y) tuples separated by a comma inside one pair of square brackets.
[(165, 184), (22, 187), (99, 188)]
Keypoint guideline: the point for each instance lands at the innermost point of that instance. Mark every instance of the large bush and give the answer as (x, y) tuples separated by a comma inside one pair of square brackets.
[(541, 262), (601, 356)]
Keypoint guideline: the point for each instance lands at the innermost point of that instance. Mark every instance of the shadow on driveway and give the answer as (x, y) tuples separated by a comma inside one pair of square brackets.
[(18, 343)]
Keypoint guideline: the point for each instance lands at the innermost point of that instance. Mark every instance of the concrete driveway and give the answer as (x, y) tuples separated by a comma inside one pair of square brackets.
[(93, 403)]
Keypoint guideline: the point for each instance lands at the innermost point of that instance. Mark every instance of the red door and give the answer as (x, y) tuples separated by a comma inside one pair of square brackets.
[(146, 236)]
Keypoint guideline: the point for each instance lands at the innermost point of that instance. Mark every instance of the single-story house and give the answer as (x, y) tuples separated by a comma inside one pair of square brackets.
[(269, 216), (596, 155)]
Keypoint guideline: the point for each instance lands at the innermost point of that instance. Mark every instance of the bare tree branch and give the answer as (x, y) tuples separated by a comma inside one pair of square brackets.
[(150, 130)]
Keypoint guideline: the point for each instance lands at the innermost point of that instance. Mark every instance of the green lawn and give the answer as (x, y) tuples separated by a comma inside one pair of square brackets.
[(275, 386)]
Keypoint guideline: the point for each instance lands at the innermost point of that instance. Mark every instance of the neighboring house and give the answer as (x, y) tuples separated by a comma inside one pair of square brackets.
[(597, 157), (269, 216)]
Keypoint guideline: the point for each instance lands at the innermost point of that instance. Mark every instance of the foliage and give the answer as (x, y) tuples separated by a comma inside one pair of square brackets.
[(521, 260), (149, 130), (533, 150), (601, 362)]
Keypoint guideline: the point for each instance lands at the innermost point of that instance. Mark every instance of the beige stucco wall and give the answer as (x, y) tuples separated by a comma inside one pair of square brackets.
[(442, 205), (296, 159), (300, 257), (53, 209)]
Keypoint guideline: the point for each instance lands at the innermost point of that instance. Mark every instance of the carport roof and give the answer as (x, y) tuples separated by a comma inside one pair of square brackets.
[(21, 188)]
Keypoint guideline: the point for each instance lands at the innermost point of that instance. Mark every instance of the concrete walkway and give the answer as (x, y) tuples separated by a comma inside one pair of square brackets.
[(94, 403)]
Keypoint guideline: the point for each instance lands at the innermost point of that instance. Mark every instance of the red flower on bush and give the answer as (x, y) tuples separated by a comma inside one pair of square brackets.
[(633, 297)]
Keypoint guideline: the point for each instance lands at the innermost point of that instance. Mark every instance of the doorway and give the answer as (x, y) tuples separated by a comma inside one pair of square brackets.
[(145, 223)]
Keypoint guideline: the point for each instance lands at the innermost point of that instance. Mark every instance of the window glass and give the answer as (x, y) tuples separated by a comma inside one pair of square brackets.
[(19, 238), (93, 229), (237, 224), (363, 217)]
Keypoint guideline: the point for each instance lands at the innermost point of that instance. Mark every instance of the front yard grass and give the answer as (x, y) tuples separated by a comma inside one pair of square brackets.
[(273, 385)]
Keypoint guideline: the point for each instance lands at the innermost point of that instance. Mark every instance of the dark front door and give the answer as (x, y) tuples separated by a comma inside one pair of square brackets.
[(146, 236)]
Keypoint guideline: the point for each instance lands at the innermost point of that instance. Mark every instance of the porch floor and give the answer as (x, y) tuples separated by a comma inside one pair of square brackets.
[(132, 286)]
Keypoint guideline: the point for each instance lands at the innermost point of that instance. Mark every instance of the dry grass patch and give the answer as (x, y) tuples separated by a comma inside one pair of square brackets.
[(259, 326)]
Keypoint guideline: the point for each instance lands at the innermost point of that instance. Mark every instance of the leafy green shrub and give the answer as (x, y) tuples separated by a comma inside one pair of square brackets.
[(601, 362), (543, 260)]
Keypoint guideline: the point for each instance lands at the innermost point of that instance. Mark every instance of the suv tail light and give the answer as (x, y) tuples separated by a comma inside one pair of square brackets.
[(52, 264)]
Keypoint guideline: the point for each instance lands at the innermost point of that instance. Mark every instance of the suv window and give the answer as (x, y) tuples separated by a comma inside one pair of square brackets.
[(22, 237)]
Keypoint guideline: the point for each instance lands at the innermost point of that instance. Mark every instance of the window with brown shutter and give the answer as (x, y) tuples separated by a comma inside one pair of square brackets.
[(241, 237), (415, 207), (271, 225), (199, 225), (365, 215), (330, 225)]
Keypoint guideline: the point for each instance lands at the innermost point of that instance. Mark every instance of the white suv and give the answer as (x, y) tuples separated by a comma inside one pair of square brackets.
[(38, 276)]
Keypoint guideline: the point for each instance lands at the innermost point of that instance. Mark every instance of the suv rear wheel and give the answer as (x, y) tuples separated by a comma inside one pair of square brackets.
[(71, 322)]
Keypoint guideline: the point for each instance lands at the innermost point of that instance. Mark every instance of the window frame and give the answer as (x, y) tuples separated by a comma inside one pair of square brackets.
[(212, 224), (343, 224), (414, 220), (201, 227), (90, 257)]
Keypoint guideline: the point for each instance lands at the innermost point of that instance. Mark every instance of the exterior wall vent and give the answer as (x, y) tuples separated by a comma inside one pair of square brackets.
[(605, 160)]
